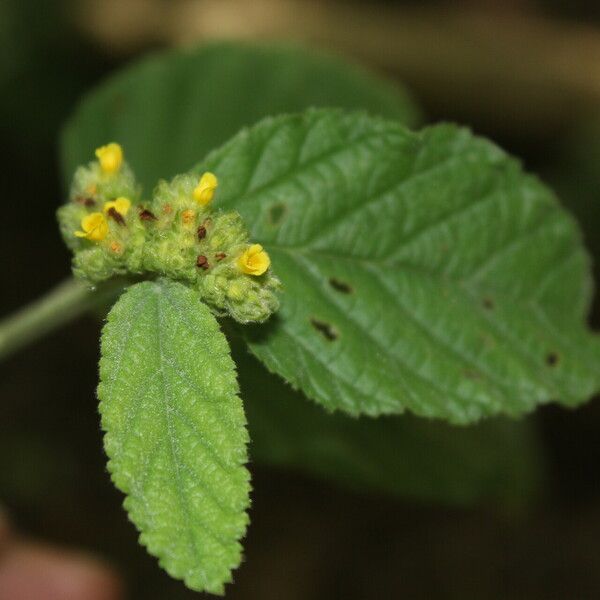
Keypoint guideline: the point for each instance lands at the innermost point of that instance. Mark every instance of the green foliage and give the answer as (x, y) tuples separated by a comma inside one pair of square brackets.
[(496, 461), (171, 109), (176, 431), (421, 271)]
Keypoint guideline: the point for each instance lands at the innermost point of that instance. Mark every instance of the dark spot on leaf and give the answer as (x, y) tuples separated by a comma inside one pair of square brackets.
[(552, 359), (340, 286), (488, 303), (276, 213), (325, 329)]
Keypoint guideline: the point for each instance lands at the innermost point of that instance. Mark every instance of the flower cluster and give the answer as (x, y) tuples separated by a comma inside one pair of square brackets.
[(177, 234)]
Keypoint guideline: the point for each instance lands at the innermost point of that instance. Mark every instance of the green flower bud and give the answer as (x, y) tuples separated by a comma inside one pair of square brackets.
[(177, 235)]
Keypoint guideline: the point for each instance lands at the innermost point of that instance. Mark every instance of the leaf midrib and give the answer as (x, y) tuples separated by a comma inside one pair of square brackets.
[(167, 411)]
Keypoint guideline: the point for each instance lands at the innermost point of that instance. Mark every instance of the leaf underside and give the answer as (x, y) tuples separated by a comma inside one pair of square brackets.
[(176, 431), (422, 271)]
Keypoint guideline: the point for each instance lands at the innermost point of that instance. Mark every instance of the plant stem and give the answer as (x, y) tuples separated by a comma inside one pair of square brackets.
[(67, 301)]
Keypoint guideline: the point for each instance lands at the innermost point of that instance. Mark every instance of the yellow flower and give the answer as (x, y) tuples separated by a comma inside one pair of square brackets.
[(110, 157), (121, 205), (205, 190), (254, 260), (95, 227)]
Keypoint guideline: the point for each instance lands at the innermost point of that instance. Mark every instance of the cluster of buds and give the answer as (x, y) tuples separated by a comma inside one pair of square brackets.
[(178, 234)]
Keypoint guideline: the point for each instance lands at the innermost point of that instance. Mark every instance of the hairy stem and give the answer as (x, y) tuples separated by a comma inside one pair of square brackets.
[(67, 301)]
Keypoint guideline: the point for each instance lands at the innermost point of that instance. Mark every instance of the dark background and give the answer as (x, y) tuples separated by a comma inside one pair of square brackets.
[(308, 539)]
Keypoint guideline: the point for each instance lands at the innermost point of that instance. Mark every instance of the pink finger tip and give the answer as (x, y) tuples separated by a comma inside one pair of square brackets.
[(31, 572)]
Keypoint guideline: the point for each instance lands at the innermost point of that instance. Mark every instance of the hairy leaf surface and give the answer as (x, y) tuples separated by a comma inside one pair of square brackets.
[(176, 431), (422, 271), (168, 111)]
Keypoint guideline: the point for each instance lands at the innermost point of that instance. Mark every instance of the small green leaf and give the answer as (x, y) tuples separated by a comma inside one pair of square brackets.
[(497, 461), (422, 271), (170, 110), (176, 431)]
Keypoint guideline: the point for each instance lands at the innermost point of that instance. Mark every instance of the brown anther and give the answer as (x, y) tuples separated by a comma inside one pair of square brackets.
[(116, 247), (167, 209), (118, 217), (146, 215), (202, 262), (201, 232), (220, 255)]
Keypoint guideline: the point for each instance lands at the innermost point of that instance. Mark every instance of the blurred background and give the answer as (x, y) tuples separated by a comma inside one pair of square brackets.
[(525, 73)]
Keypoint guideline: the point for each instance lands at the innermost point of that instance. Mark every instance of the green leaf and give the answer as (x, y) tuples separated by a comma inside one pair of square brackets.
[(497, 461), (176, 431), (171, 109), (422, 271)]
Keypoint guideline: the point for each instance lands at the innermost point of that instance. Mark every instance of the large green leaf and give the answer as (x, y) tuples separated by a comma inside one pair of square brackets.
[(422, 271), (176, 431), (496, 461), (171, 109)]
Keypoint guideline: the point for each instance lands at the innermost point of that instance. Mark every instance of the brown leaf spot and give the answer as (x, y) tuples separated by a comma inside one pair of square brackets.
[(327, 330), (340, 286)]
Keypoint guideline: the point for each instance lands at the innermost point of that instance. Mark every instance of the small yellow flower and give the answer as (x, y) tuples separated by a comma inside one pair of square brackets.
[(110, 157), (205, 190), (254, 260), (95, 227), (121, 205)]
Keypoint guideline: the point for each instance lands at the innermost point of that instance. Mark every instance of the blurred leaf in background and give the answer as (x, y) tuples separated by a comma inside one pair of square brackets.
[(497, 461), (173, 108)]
